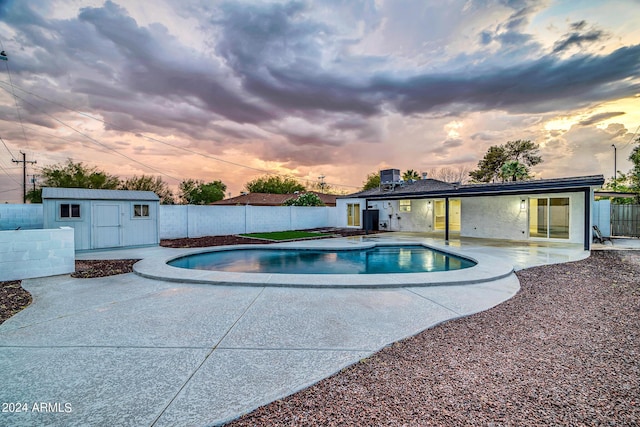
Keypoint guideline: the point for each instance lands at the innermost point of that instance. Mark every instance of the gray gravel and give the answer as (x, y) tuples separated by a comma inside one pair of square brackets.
[(564, 351)]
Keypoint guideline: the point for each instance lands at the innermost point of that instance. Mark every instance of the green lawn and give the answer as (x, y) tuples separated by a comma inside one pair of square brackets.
[(285, 235)]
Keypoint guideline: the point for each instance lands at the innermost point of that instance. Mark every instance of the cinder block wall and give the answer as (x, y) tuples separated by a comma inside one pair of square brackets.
[(27, 217), (197, 221), (26, 254)]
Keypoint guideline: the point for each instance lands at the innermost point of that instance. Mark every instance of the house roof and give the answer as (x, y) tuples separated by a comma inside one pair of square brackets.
[(267, 199), (91, 194), (435, 188)]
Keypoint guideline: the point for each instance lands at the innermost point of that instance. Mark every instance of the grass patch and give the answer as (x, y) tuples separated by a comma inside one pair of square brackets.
[(285, 235)]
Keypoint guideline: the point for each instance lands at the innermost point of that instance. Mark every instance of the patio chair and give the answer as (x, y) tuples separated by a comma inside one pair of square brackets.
[(598, 237)]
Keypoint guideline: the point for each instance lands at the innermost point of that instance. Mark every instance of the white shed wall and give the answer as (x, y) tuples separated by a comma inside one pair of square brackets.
[(132, 231)]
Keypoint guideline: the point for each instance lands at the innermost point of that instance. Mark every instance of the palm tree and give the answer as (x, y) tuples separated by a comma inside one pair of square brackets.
[(411, 175), (514, 171)]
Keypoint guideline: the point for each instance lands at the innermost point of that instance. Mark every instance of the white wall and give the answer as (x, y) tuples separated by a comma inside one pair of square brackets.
[(494, 217), (602, 216), (27, 217), (197, 221), (500, 217), (36, 253), (341, 211)]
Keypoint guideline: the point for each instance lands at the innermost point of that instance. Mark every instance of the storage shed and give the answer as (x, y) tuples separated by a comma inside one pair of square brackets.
[(103, 218)]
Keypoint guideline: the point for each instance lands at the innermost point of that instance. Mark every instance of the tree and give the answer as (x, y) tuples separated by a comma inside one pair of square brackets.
[(448, 174), (372, 181), (634, 173), (522, 152), (411, 175), (200, 193), (621, 183), (73, 175), (305, 199), (489, 167), (513, 171), (150, 183), (274, 185)]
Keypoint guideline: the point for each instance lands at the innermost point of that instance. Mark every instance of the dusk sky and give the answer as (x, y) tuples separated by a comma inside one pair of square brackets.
[(226, 90)]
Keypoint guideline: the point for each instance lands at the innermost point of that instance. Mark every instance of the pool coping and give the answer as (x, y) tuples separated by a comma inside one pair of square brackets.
[(487, 269)]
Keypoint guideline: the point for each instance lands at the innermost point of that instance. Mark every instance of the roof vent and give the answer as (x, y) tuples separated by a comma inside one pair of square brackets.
[(424, 175)]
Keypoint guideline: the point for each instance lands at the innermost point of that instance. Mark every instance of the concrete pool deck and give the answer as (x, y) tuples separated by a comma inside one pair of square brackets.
[(131, 350), (487, 269)]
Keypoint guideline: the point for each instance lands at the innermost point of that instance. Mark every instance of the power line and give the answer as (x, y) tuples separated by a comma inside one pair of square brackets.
[(185, 149), (14, 98), (632, 136), (5, 146), (97, 142), (13, 189)]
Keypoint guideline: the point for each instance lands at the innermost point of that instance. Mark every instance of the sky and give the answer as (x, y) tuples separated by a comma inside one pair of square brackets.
[(232, 90)]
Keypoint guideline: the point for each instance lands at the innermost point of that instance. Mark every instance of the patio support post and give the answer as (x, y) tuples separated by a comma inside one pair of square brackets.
[(588, 199), (446, 219)]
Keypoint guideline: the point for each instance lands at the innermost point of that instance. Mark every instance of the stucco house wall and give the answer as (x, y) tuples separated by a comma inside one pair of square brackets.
[(341, 208)]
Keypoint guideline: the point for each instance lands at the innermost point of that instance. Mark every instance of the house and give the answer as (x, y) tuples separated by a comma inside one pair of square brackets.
[(103, 218), (537, 210), (268, 199)]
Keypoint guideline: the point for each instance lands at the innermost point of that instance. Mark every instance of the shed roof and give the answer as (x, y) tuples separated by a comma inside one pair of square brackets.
[(91, 194), (434, 188)]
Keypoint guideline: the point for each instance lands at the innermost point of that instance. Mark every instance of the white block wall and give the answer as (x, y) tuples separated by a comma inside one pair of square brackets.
[(179, 221), (602, 216), (27, 217), (26, 254)]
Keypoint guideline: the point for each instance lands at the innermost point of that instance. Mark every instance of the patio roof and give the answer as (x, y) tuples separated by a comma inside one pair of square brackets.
[(434, 188)]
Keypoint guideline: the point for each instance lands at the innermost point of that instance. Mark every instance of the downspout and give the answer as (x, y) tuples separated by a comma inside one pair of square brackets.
[(446, 220)]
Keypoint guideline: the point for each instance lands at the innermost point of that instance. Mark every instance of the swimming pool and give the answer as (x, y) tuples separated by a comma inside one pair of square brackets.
[(486, 268), (373, 260)]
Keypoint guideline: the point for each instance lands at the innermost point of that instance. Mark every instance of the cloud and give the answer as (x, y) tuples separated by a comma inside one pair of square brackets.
[(578, 37), (597, 118), (545, 84)]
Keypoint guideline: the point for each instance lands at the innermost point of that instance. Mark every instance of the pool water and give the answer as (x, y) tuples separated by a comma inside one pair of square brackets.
[(377, 260)]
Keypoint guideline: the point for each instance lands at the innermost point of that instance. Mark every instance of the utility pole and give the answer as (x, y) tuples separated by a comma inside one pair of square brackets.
[(24, 174), (615, 166), (322, 184)]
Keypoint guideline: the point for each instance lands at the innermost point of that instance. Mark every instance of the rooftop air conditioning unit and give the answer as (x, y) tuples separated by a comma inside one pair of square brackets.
[(390, 176)]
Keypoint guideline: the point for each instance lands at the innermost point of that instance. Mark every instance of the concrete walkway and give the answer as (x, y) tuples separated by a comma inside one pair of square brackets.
[(125, 350)]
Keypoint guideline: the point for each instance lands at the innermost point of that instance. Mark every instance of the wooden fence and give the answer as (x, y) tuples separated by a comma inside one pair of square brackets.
[(625, 220)]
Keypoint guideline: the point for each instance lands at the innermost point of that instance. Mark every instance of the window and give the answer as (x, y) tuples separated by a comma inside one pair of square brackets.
[(68, 210), (353, 214), (405, 205), (549, 217), (140, 211)]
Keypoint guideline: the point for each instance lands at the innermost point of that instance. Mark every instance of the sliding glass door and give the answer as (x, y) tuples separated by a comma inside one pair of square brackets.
[(549, 217)]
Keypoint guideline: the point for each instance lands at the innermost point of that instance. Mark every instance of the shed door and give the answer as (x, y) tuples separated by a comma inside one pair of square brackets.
[(106, 226)]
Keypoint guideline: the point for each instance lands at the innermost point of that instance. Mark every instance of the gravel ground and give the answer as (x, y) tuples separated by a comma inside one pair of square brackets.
[(563, 351), (13, 298)]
